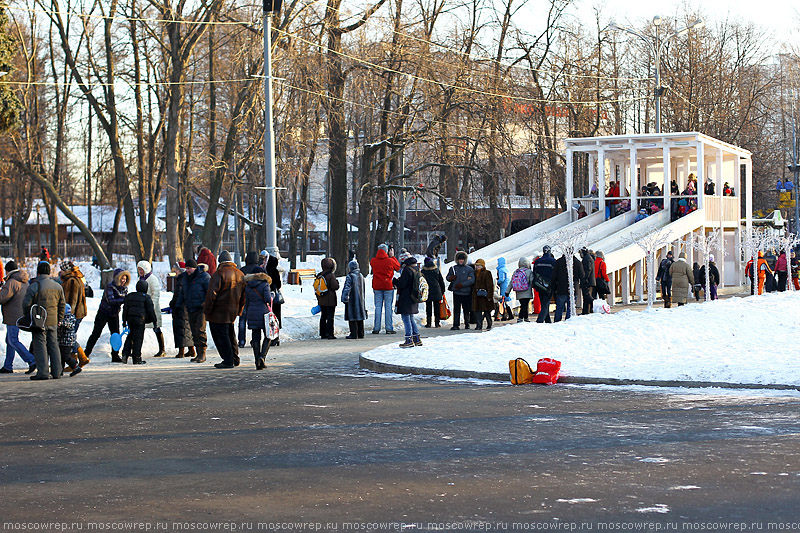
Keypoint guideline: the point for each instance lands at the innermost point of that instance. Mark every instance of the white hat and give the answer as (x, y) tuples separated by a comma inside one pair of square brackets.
[(711, 258)]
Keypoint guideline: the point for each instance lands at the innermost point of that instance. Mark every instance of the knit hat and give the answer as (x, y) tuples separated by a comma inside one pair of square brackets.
[(682, 255), (428, 262), (546, 249), (410, 260), (11, 266), (145, 266), (711, 258), (43, 268), (403, 256), (264, 253), (141, 286), (190, 263), (181, 264), (67, 265), (384, 247), (224, 257), (67, 308)]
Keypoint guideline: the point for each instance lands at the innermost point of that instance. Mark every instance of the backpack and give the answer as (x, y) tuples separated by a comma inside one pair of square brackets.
[(547, 371), (519, 280), (521, 372), (419, 289), (320, 285), (36, 320)]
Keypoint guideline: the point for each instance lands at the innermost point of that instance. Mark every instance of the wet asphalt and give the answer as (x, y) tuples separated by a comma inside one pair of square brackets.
[(315, 443)]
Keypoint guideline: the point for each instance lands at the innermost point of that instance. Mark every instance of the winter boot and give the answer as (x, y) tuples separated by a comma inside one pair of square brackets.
[(161, 352), (115, 357), (417, 340), (409, 343), (191, 353), (201, 355), (83, 359), (180, 353), (667, 301)]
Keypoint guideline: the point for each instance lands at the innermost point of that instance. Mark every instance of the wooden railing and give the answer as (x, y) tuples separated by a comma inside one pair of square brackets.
[(722, 208)]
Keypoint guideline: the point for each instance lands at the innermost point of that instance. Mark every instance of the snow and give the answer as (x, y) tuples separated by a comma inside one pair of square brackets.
[(737, 340)]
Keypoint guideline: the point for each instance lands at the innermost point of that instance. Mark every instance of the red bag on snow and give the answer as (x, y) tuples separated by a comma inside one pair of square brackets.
[(547, 371)]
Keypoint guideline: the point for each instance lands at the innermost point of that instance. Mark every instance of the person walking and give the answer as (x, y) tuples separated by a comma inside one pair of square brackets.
[(224, 302), (383, 267), (483, 295), (258, 298), (461, 277), (663, 275), (782, 270), (46, 292), (543, 270), (521, 283), (355, 308), (502, 309), (561, 285), (251, 261), (108, 313), (137, 312), (193, 291), (682, 279), (407, 306), (74, 284), (435, 281), (327, 299), (588, 281), (11, 296), (181, 330), (601, 281), (66, 341), (275, 287), (145, 270), (713, 277)]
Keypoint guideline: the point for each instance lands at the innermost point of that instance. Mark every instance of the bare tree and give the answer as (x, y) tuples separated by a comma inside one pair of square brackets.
[(650, 244)]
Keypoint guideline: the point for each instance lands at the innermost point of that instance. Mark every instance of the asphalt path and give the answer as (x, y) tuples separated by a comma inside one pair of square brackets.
[(314, 442)]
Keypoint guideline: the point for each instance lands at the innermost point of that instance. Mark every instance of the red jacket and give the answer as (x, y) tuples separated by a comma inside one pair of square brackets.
[(383, 269), (600, 269), (207, 258)]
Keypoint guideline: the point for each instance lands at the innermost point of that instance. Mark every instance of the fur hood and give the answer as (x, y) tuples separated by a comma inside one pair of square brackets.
[(257, 277), (119, 274), (461, 255), (328, 264), (74, 272)]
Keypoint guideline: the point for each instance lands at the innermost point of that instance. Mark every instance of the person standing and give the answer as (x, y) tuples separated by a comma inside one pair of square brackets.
[(663, 275), (407, 307), (154, 292), (483, 295), (327, 300), (561, 285), (258, 298), (44, 255), (66, 341), (137, 312), (108, 313), (782, 270), (181, 330), (194, 290), (74, 284), (521, 284), (11, 296), (543, 269), (682, 279), (795, 266), (502, 310), (435, 281), (713, 277), (588, 282), (383, 266), (251, 261), (355, 308), (45, 291), (224, 302), (461, 277), (206, 257), (275, 287)]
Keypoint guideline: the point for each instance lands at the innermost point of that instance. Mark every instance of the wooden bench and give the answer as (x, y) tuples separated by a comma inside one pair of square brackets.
[(296, 276)]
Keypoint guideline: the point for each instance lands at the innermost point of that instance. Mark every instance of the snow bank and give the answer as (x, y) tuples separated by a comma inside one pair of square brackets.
[(738, 340)]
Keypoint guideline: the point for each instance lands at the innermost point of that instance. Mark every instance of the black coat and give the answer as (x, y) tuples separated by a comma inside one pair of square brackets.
[(138, 310), (250, 262), (181, 330), (435, 283), (404, 284), (560, 279), (588, 270), (257, 295), (713, 275)]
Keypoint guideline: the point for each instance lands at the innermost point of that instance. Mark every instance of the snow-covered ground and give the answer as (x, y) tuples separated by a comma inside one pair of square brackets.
[(737, 340)]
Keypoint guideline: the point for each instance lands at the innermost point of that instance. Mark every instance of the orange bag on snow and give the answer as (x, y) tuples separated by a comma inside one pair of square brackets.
[(521, 372)]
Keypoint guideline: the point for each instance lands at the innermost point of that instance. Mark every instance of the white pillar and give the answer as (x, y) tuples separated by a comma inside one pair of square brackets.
[(601, 179), (687, 169), (612, 285), (701, 173), (634, 183), (625, 283), (570, 184), (748, 180), (639, 288), (667, 170)]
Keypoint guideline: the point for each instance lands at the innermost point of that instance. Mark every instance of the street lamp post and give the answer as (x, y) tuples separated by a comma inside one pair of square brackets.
[(270, 223), (657, 49)]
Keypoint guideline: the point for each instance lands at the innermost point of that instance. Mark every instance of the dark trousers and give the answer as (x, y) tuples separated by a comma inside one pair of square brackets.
[(224, 336), (66, 358), (431, 306), (562, 302), (100, 321), (326, 321), (260, 350), (524, 306), (461, 301), (782, 277), (197, 323), (488, 316), (44, 346), (133, 343), (586, 292), (357, 329), (242, 329), (544, 314)]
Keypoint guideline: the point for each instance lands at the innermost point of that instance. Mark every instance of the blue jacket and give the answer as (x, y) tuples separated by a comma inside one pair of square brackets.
[(545, 266), (503, 279), (355, 308), (463, 275), (193, 293), (257, 295)]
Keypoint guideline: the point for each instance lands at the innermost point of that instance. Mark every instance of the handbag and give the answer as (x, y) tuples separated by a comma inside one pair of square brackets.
[(36, 319), (272, 324), (444, 309), (277, 298), (602, 286), (539, 283), (482, 293)]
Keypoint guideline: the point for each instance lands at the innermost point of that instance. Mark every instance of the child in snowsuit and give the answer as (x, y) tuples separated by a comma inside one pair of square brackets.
[(66, 340), (137, 312)]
